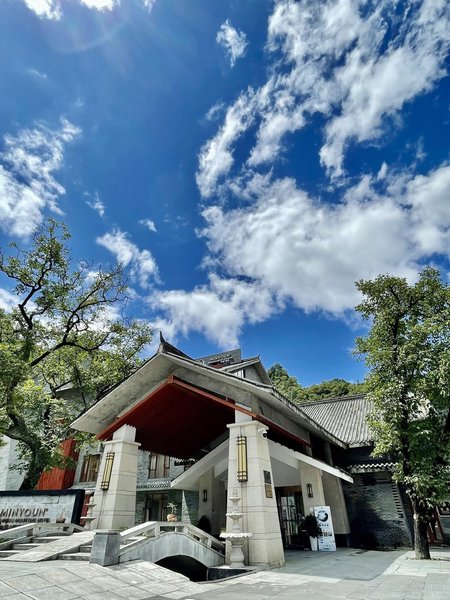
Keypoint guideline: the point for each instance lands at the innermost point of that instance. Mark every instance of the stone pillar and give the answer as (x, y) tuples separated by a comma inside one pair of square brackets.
[(105, 548), (116, 507), (312, 475), (334, 498), (260, 510)]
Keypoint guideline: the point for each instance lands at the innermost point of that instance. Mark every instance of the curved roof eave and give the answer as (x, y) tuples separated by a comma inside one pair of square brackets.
[(135, 387)]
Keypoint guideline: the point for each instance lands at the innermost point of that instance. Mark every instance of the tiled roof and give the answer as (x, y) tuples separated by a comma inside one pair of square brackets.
[(371, 467), (345, 418)]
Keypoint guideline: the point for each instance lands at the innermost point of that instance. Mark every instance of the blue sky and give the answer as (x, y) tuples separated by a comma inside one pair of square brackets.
[(247, 161)]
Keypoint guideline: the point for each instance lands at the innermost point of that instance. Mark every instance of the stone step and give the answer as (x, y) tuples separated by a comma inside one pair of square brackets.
[(86, 548), (75, 556), (45, 539), (22, 546), (6, 553)]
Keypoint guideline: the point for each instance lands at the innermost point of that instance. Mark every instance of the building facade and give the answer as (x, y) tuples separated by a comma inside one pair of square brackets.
[(186, 435)]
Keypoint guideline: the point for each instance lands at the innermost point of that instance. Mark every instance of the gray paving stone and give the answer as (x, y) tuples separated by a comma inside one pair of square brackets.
[(132, 592), (102, 596), (130, 577), (60, 576), (158, 588), (81, 587), (6, 590), (53, 593), (26, 582), (107, 582)]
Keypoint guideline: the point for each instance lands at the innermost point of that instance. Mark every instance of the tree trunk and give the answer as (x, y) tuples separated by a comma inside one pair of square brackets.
[(34, 470), (421, 545)]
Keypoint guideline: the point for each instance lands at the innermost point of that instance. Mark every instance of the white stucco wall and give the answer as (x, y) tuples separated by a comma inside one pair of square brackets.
[(10, 478)]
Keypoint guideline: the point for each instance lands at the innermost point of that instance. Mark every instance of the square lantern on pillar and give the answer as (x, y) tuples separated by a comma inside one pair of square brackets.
[(109, 460), (309, 490), (242, 471)]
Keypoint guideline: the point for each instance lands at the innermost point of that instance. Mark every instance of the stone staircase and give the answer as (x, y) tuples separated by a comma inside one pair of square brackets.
[(19, 545), (36, 542)]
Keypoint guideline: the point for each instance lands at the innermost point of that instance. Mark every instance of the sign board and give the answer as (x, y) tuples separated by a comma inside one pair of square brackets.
[(49, 506), (327, 542)]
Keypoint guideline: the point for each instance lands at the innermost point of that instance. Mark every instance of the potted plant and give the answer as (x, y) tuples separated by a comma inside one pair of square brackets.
[(172, 514), (313, 531)]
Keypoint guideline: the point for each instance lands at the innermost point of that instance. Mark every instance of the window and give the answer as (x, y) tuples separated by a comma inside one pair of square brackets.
[(158, 466), (91, 464)]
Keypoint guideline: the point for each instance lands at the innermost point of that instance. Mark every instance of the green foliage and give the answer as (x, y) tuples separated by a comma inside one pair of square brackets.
[(408, 353), (289, 387), (61, 346), (285, 384)]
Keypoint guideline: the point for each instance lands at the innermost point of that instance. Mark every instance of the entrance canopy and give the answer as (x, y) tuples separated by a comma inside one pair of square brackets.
[(179, 419)]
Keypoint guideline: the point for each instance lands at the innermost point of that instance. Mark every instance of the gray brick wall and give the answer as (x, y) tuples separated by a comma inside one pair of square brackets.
[(140, 505), (189, 507), (375, 511)]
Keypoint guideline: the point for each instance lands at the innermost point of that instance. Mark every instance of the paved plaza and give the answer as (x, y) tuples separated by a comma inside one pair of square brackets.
[(347, 573)]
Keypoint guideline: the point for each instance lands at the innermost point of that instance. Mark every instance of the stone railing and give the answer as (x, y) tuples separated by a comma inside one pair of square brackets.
[(157, 528), (109, 546)]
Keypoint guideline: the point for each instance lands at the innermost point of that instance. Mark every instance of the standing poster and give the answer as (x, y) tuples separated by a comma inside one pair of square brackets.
[(327, 542)]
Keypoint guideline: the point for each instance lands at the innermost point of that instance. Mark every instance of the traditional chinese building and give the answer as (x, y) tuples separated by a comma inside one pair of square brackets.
[(189, 434)]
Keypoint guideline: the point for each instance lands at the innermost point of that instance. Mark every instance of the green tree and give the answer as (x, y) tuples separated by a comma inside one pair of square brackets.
[(294, 391), (407, 351), (285, 384), (333, 388), (61, 345)]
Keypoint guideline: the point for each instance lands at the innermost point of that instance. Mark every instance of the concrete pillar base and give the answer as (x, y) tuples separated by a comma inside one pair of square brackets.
[(105, 548)]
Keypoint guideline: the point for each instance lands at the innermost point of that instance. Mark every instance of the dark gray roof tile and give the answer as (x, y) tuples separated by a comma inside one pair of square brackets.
[(345, 418)]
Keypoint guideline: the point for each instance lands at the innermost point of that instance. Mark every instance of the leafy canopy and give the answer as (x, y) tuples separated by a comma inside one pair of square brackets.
[(294, 391), (62, 345), (407, 351)]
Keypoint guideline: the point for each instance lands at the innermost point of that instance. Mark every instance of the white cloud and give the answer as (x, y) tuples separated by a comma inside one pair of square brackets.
[(311, 253), (286, 247), (101, 4), (7, 300), (216, 156), (97, 205), (355, 64), (217, 310), (234, 41), (52, 9), (37, 74), (149, 224), (27, 182), (45, 9), (141, 262), (374, 87)]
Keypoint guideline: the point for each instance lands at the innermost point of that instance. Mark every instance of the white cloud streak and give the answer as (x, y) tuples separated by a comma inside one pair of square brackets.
[(292, 249), (97, 205), (336, 61), (233, 41), (217, 310), (27, 182), (356, 65), (53, 9), (45, 9), (149, 224), (142, 265)]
